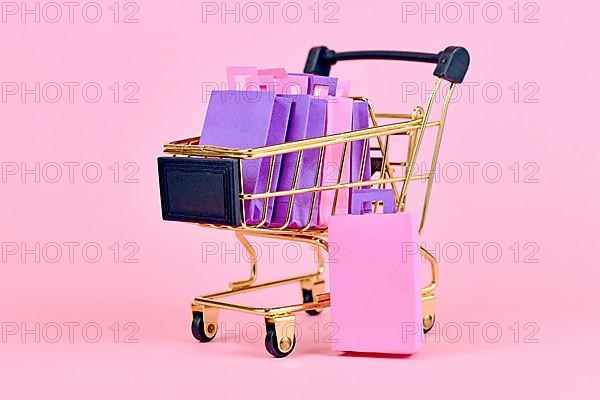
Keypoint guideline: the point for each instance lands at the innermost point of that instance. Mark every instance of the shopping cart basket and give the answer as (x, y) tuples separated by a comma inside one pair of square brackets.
[(199, 181)]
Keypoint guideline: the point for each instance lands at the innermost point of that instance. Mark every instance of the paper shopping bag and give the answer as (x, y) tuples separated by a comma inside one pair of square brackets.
[(339, 119), (242, 78), (292, 84), (320, 86), (248, 119), (360, 148), (375, 281), (307, 120)]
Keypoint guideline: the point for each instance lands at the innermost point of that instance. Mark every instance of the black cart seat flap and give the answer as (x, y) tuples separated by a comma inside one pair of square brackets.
[(200, 190)]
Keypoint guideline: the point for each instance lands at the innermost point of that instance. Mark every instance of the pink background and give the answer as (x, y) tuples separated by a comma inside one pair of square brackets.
[(169, 55)]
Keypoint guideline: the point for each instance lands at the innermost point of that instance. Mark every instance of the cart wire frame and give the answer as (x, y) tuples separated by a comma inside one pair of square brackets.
[(280, 321)]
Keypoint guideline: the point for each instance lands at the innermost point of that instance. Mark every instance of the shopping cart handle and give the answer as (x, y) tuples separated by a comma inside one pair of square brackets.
[(452, 63)]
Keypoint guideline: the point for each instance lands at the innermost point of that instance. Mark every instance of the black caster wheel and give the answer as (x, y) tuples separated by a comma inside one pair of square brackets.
[(428, 323), (198, 330), (271, 343), (307, 297)]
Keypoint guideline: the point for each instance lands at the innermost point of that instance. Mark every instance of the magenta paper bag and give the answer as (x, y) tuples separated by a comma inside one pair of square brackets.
[(390, 319), (360, 120), (343, 88), (310, 163), (339, 119), (247, 119), (242, 78), (293, 84), (307, 120), (278, 73)]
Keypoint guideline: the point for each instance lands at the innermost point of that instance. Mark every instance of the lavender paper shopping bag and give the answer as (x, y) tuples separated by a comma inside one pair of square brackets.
[(319, 86), (360, 120), (317, 118), (248, 119), (307, 120)]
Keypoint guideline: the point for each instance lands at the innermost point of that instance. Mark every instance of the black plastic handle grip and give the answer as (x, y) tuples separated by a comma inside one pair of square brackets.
[(452, 63)]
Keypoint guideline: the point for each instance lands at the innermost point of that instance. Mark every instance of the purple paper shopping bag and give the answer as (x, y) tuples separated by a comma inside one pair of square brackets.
[(296, 131), (307, 120), (338, 120), (360, 120), (247, 119)]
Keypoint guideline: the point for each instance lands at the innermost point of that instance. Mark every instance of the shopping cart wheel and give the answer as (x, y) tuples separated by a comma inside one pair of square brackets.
[(307, 297), (278, 347), (428, 322), (200, 330)]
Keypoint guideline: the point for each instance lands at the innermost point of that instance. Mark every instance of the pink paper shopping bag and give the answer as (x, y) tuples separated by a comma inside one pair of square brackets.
[(375, 281), (339, 119)]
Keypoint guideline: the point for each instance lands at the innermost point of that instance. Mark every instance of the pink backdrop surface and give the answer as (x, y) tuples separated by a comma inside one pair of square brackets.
[(95, 287)]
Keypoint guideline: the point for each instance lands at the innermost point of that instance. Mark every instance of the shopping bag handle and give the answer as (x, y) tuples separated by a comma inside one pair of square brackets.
[(451, 63), (361, 199)]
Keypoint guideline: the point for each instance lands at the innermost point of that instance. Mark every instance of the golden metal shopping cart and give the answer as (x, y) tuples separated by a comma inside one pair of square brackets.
[(204, 183)]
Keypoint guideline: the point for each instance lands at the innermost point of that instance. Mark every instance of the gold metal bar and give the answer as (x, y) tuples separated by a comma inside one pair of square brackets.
[(323, 302), (393, 115), (435, 155), (419, 140), (386, 169), (262, 286), (385, 155), (253, 263), (417, 114), (315, 185), (249, 229), (243, 203), (329, 187), (305, 144), (288, 216), (263, 218), (187, 141), (312, 239), (363, 161), (434, 271)]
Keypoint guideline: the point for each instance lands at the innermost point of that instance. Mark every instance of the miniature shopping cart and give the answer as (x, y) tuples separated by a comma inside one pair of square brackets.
[(203, 183)]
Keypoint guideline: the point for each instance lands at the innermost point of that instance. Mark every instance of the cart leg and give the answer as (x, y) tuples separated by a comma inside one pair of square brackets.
[(281, 338), (311, 289), (428, 312), (253, 263), (315, 286), (427, 294), (204, 322)]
